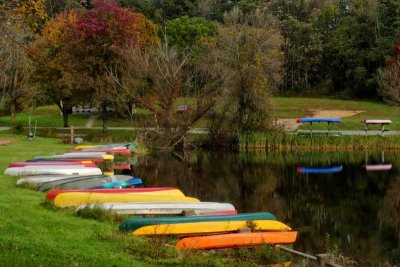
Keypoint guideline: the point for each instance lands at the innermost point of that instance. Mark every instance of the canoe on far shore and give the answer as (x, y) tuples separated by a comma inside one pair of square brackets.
[(237, 240)]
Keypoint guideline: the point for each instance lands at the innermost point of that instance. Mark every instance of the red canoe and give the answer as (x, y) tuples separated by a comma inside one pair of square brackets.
[(122, 151), (123, 166), (50, 163), (237, 240), (52, 194)]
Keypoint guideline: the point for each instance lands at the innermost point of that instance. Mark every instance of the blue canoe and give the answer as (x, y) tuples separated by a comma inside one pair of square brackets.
[(334, 169), (311, 120), (123, 184)]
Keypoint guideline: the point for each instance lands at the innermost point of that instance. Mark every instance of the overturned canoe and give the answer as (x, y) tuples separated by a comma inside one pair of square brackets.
[(79, 156), (52, 170), (94, 147), (114, 151), (211, 227), (76, 182), (76, 199), (135, 223), (40, 179), (117, 184), (52, 194), (51, 163), (237, 240), (163, 208)]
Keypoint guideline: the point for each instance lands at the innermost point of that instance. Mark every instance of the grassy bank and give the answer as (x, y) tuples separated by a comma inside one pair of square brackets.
[(279, 141), (32, 234), (284, 108)]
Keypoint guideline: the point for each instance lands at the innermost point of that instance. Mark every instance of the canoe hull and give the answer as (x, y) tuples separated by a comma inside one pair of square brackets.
[(136, 223), (52, 194), (50, 170), (173, 208), (237, 240), (201, 228), (76, 199)]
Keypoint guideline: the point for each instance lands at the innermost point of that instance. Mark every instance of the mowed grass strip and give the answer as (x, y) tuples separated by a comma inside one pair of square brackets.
[(32, 235)]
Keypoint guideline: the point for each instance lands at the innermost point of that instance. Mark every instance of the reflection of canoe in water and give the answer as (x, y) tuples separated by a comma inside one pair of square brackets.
[(172, 208), (311, 120), (334, 169), (52, 194), (52, 170), (76, 199), (197, 228), (122, 166), (378, 167), (237, 240), (135, 223)]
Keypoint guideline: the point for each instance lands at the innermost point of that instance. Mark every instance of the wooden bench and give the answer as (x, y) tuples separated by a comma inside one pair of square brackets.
[(378, 122)]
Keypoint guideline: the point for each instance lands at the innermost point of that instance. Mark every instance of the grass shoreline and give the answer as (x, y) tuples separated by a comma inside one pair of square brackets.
[(35, 234)]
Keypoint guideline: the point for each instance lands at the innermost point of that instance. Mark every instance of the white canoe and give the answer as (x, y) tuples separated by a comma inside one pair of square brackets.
[(85, 154), (39, 179), (76, 156), (24, 171), (164, 207)]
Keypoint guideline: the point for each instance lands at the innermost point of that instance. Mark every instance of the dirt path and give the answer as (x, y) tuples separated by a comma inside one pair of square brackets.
[(4, 142), (292, 125), (91, 120)]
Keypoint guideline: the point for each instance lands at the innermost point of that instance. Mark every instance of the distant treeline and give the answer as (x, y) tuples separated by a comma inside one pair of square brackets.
[(332, 47)]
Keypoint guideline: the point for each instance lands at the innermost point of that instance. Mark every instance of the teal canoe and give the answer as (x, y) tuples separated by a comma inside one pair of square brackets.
[(133, 224)]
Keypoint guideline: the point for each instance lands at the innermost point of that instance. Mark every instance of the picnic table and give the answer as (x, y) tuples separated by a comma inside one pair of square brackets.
[(376, 122)]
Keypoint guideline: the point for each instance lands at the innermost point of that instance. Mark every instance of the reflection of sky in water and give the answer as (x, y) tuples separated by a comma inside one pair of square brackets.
[(359, 209)]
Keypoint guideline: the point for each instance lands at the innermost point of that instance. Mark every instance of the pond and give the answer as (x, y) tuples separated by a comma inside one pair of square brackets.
[(354, 198)]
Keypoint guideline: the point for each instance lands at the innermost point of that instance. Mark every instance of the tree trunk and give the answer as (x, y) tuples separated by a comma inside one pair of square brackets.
[(13, 109), (104, 116), (65, 117)]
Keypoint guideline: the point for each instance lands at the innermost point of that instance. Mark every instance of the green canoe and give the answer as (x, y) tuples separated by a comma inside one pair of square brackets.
[(133, 224)]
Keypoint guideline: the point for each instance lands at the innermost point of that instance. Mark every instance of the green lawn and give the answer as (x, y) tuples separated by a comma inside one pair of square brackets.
[(289, 107), (33, 234), (284, 107)]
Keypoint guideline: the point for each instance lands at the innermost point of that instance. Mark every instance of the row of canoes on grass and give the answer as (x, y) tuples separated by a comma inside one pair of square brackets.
[(203, 225)]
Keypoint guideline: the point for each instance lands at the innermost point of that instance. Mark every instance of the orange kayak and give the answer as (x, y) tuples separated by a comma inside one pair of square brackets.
[(237, 240)]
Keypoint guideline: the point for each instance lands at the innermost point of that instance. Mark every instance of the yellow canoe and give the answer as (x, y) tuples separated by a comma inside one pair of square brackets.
[(210, 227), (108, 157), (84, 147), (75, 199)]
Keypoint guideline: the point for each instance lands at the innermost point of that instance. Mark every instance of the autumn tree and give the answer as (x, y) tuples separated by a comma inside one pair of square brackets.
[(77, 48), (248, 59), (389, 79), (154, 78), (18, 22)]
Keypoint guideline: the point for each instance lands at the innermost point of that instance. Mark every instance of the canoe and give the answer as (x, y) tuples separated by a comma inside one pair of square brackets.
[(119, 151), (118, 184), (40, 179), (237, 240), (82, 160), (76, 199), (76, 182), (52, 170), (329, 120), (122, 166), (51, 163), (52, 194), (79, 156), (200, 228), (163, 208), (334, 169), (135, 223), (90, 147)]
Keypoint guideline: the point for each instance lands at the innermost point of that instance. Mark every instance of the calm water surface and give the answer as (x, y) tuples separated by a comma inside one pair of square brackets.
[(358, 208)]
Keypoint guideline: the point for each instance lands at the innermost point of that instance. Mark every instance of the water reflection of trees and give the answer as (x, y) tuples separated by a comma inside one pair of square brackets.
[(345, 205)]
